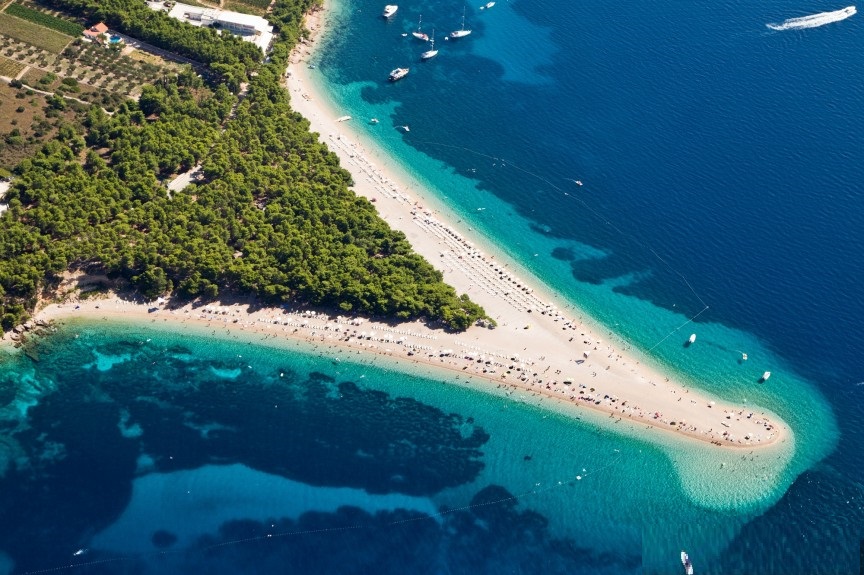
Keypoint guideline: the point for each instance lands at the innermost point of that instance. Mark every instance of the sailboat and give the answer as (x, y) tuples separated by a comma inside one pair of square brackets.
[(418, 34), (431, 52), (462, 32)]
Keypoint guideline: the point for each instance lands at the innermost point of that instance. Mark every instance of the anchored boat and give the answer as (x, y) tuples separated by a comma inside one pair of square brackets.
[(685, 561), (399, 73)]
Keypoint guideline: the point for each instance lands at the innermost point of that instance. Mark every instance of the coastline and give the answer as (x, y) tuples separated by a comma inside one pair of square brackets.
[(527, 311), (536, 349), (604, 390)]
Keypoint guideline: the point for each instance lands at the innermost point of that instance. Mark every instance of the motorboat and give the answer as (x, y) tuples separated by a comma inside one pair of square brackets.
[(692, 339), (389, 10), (462, 32), (398, 74), (765, 377), (685, 561), (431, 52)]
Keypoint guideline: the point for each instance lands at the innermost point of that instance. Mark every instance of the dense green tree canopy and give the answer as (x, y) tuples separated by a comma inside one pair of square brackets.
[(273, 215)]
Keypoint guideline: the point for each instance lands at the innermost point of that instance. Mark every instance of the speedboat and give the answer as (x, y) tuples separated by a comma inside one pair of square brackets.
[(399, 73), (692, 339), (389, 10), (765, 377), (685, 561)]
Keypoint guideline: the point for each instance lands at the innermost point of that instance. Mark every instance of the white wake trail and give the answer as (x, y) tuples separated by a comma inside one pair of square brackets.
[(815, 20)]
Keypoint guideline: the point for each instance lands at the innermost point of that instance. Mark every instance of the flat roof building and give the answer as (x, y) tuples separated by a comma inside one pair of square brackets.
[(248, 26)]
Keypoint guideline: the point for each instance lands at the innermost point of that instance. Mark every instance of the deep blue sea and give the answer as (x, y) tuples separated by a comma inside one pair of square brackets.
[(722, 170)]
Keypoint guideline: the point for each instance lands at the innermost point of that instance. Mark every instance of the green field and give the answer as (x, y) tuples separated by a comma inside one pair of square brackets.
[(33, 34), (10, 68), (262, 4), (257, 7), (37, 17)]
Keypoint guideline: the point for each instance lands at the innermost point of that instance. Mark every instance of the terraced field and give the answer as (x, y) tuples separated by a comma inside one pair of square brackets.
[(39, 36)]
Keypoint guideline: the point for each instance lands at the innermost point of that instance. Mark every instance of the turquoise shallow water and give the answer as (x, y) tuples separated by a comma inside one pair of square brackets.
[(721, 164), (168, 451), (722, 168)]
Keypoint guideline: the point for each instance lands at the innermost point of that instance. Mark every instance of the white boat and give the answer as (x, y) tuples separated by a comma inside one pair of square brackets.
[(815, 20), (692, 338), (487, 5), (343, 118), (398, 74), (418, 34), (462, 32), (373, 121), (431, 52), (765, 377), (389, 10), (685, 561)]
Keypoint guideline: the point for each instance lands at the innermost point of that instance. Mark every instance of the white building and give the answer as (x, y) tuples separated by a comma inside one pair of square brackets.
[(249, 27)]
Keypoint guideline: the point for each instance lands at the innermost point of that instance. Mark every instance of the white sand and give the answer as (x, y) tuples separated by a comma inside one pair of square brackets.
[(536, 349)]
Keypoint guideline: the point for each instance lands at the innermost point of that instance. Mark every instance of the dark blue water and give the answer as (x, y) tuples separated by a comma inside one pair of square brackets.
[(131, 450), (722, 165), (732, 152)]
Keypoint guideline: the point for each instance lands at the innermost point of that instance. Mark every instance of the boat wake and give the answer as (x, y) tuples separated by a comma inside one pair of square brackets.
[(814, 20)]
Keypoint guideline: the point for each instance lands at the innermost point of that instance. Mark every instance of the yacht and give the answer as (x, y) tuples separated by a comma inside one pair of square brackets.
[(399, 73), (431, 52), (462, 32), (389, 10)]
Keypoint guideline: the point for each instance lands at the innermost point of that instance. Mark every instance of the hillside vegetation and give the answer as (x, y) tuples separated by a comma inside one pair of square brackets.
[(272, 216)]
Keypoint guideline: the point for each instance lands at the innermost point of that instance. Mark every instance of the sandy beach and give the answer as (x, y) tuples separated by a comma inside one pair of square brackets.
[(537, 351)]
